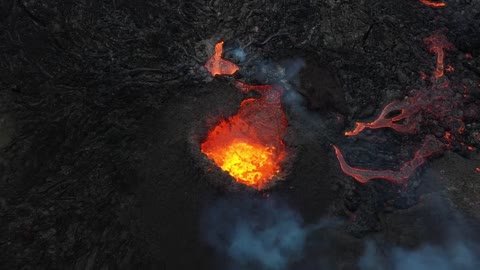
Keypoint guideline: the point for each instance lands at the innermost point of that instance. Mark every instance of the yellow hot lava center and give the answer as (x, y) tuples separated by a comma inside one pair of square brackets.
[(247, 163)]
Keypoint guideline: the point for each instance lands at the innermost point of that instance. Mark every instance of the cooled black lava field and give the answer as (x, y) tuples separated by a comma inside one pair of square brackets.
[(231, 135)]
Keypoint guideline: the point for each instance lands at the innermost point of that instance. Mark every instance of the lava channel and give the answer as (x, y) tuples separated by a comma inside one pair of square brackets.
[(405, 116), (430, 147), (439, 103), (249, 145), (432, 3), (405, 121), (438, 43), (216, 65)]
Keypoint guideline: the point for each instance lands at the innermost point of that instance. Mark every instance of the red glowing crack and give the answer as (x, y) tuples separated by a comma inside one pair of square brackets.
[(430, 146), (216, 65)]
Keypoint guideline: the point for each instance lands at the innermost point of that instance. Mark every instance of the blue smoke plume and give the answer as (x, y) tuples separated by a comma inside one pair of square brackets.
[(255, 233), (458, 255), (240, 54)]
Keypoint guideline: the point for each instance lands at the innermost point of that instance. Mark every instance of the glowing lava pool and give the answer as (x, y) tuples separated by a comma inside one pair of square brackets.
[(247, 163), (249, 145)]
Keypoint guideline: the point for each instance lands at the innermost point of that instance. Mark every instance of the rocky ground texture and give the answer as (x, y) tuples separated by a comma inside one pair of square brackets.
[(98, 102)]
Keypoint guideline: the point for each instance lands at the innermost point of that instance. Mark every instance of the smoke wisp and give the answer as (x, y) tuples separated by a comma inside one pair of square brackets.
[(255, 233)]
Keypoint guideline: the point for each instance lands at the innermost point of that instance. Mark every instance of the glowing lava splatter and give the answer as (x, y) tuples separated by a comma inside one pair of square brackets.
[(432, 3), (249, 145), (430, 147), (438, 43), (216, 65)]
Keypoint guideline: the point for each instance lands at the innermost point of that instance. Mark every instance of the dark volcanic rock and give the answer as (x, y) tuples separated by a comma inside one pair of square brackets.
[(99, 101), (319, 84)]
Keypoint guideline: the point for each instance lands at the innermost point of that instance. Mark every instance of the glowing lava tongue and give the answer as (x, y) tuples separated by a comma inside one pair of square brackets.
[(249, 144), (216, 65)]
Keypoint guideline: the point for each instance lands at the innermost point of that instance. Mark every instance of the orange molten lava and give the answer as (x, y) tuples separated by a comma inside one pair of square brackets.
[(216, 65), (438, 43), (405, 115), (433, 4), (403, 122), (249, 144), (430, 147)]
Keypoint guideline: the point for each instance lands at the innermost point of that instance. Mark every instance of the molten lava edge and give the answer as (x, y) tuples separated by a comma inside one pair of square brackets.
[(430, 146), (249, 145)]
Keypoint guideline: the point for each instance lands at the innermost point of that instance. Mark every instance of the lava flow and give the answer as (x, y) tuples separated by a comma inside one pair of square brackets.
[(402, 122), (249, 145), (408, 113), (438, 105), (438, 43), (216, 65), (432, 3), (430, 147)]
